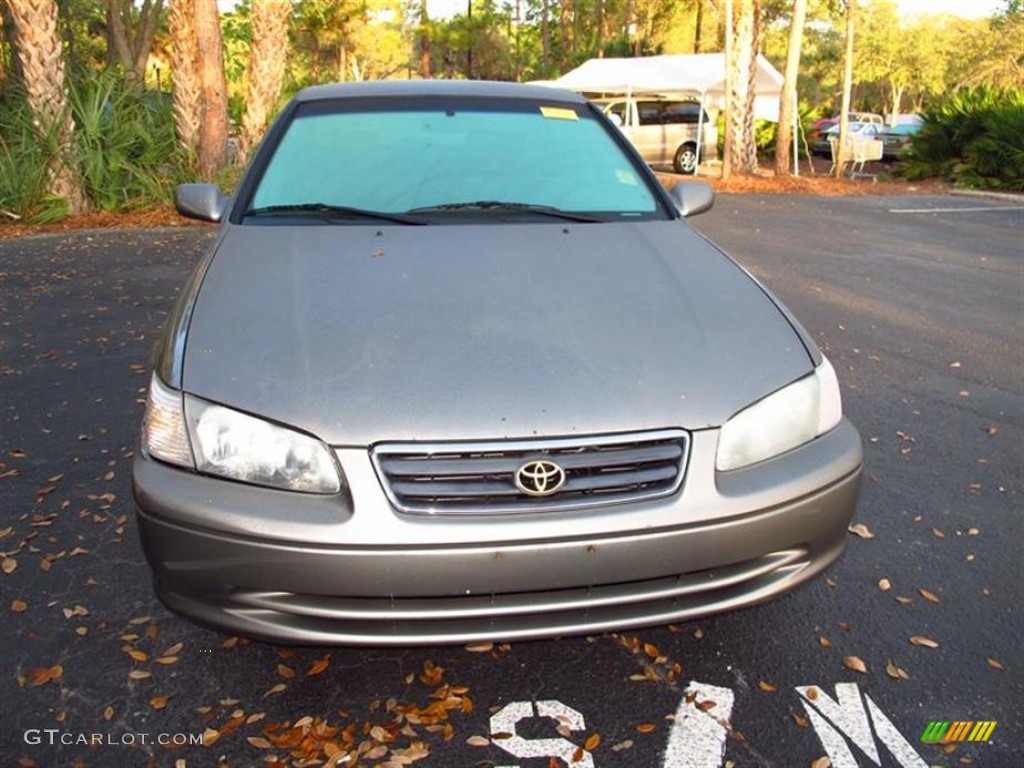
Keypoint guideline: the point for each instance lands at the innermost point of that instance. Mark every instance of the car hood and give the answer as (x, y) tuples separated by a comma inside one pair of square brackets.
[(360, 334)]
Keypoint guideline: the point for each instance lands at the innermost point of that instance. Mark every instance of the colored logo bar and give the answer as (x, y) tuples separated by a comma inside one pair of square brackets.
[(945, 731)]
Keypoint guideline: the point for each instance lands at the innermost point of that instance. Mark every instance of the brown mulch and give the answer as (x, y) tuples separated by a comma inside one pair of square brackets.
[(144, 218), (817, 182), (764, 183)]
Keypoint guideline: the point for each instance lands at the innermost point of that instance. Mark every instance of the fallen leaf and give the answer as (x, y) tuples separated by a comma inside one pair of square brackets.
[(167, 660), (625, 744), (767, 687), (884, 584), (478, 741), (136, 654), (139, 674), (159, 702), (275, 689), (319, 666), (859, 529), (210, 736), (893, 670), (9, 565), (854, 663), (822, 762), (285, 671), (931, 597), (43, 675), (800, 720), (259, 742), (479, 647), (996, 664), (824, 642), (646, 727), (108, 713), (140, 620), (592, 742), (18, 605), (904, 600), (921, 640), (174, 650)]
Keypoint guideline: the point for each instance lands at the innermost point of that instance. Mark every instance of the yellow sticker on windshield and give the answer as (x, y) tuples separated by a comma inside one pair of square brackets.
[(559, 113)]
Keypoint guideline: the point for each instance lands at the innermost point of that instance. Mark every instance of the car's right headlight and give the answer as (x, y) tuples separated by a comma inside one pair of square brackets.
[(216, 440), (782, 421)]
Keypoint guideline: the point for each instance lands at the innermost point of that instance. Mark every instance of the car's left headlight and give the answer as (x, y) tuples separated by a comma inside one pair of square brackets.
[(241, 447), (782, 421)]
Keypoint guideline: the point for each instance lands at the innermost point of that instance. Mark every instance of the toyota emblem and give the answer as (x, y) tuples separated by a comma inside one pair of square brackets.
[(540, 478)]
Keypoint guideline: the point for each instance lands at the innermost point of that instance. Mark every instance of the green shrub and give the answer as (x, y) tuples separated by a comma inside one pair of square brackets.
[(24, 159), (124, 143), (974, 138)]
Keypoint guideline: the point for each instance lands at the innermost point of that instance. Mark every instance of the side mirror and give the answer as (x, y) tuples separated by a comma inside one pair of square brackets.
[(692, 197), (201, 201)]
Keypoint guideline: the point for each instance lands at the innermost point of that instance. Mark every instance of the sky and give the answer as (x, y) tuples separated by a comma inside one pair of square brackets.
[(967, 8)]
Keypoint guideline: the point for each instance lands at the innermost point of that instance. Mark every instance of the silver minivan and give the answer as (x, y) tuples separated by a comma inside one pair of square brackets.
[(664, 131)]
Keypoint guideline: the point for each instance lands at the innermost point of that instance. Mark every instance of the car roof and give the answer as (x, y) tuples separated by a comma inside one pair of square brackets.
[(471, 88)]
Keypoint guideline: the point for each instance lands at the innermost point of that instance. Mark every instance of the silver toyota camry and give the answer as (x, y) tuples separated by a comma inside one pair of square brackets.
[(457, 368)]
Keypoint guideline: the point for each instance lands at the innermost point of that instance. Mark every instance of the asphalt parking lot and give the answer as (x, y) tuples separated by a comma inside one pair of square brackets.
[(919, 302)]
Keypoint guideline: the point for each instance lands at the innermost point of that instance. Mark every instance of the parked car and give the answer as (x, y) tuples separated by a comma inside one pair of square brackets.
[(457, 368), (818, 136), (896, 139), (665, 131)]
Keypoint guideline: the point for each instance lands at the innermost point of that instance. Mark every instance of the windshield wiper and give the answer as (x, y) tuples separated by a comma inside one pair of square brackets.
[(499, 205), (328, 210)]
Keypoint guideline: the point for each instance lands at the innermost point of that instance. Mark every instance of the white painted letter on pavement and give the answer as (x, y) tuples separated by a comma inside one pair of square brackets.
[(846, 716), (697, 738), (505, 720)]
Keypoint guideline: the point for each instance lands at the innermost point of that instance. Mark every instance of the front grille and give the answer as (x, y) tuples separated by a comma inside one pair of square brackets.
[(479, 478)]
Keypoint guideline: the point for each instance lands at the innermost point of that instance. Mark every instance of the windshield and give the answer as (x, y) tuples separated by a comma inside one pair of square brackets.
[(420, 156)]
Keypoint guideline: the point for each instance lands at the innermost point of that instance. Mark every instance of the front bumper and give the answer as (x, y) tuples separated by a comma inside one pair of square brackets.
[(348, 569)]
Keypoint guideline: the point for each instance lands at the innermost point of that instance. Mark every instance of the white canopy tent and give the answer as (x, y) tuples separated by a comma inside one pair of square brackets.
[(699, 74)]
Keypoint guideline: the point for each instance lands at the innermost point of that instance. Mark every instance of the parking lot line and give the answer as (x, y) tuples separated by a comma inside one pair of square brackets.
[(974, 209)]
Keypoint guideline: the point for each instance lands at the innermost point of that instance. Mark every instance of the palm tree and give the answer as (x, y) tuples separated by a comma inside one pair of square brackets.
[(188, 100), (266, 69), (42, 65), (787, 105), (746, 33)]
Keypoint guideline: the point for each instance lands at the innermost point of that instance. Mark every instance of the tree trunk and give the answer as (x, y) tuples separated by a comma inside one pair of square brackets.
[(213, 130), (41, 56), (787, 106), (266, 70), (600, 29), (424, 41), (844, 115), (564, 32), (696, 26), (746, 34), (545, 38), (897, 104), (730, 78), (130, 46), (188, 97)]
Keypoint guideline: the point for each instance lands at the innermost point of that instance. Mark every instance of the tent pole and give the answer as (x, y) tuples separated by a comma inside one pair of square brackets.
[(700, 133), (796, 129)]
